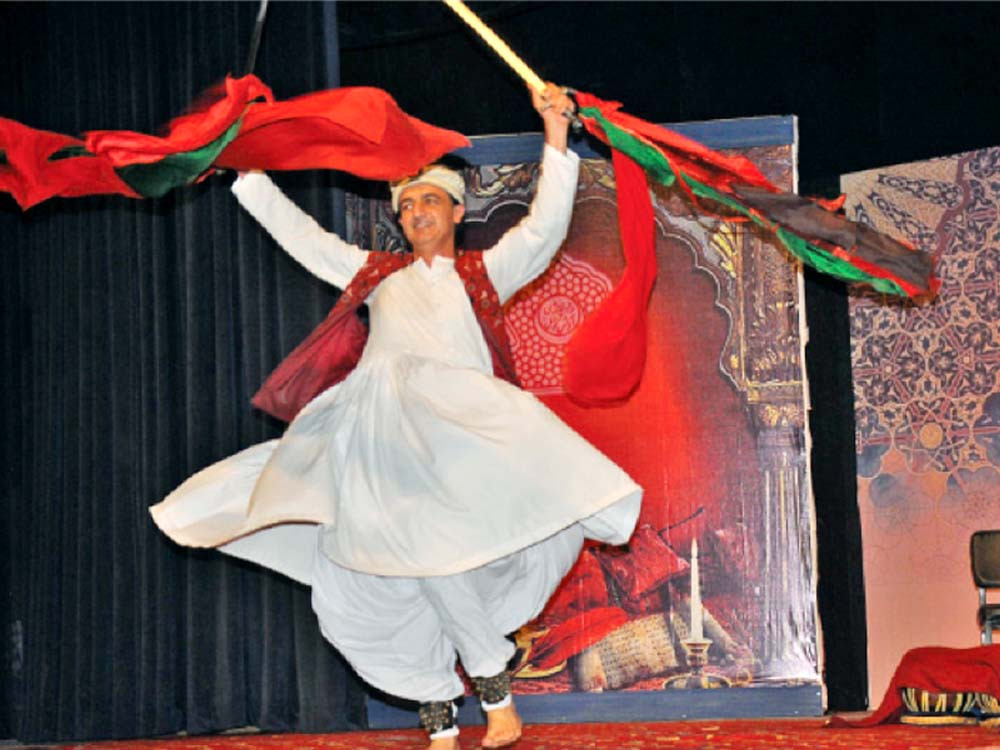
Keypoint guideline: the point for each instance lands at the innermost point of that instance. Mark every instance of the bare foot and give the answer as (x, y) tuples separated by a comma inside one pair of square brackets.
[(503, 727), (444, 743)]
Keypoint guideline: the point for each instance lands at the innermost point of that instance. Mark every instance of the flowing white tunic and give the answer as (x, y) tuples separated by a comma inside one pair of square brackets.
[(421, 462)]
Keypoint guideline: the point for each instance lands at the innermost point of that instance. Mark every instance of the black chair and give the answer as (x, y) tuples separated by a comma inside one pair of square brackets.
[(984, 548)]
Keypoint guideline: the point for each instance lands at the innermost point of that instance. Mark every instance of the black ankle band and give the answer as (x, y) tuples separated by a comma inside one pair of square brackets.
[(438, 717), (492, 689)]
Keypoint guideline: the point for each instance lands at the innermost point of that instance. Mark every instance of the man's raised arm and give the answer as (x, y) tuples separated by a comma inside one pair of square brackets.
[(527, 248), (323, 253)]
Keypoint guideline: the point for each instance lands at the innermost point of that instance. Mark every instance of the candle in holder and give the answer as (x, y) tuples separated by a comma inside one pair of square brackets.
[(697, 633)]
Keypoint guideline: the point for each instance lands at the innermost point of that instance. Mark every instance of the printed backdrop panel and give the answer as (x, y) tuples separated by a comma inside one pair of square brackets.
[(927, 404), (715, 434)]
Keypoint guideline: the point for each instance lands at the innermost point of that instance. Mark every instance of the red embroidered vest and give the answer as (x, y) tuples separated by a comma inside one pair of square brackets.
[(333, 349)]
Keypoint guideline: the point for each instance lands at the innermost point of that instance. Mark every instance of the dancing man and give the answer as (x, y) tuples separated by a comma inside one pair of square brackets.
[(443, 503)]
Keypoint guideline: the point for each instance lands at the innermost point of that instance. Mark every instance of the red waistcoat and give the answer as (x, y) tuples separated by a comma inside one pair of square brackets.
[(333, 349)]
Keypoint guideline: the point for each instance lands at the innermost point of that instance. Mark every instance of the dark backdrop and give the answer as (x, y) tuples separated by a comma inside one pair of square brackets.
[(133, 332)]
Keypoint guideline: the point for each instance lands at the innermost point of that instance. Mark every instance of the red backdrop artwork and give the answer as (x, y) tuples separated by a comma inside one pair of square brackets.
[(714, 433)]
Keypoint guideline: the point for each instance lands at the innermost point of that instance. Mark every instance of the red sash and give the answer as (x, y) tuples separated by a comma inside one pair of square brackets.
[(333, 349)]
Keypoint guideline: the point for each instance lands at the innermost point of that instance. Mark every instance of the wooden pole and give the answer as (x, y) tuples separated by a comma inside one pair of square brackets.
[(497, 44)]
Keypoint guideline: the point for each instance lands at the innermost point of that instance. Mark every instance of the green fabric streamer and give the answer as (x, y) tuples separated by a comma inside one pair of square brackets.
[(158, 178), (824, 262), (69, 152), (656, 165), (646, 156)]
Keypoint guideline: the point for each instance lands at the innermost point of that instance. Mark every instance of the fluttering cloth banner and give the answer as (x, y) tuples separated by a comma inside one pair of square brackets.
[(604, 361), (236, 125), (714, 432), (239, 125), (927, 404), (812, 230)]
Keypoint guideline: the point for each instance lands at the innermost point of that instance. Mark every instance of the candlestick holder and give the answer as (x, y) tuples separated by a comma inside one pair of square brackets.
[(696, 653)]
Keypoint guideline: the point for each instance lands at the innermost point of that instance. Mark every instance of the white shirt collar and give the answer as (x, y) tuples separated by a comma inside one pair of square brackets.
[(440, 266)]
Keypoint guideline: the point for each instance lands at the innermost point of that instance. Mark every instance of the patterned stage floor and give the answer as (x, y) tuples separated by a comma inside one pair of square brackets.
[(784, 734)]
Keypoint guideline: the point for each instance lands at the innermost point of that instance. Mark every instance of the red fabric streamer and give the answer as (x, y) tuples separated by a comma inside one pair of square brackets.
[(212, 115), (604, 360), (358, 130), (31, 176), (812, 231), (686, 155)]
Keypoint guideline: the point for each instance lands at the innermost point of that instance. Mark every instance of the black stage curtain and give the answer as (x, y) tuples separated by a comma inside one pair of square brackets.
[(133, 333)]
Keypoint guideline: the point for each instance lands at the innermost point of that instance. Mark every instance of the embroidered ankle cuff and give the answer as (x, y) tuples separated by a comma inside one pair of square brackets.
[(450, 732), (503, 703)]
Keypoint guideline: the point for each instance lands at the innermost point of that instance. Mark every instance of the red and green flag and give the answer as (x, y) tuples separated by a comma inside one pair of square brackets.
[(604, 359), (812, 230), (238, 125)]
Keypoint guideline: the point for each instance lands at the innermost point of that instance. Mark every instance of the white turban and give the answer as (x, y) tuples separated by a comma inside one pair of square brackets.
[(437, 175)]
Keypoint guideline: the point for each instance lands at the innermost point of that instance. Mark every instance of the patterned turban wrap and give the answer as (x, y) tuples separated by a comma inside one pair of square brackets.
[(437, 175)]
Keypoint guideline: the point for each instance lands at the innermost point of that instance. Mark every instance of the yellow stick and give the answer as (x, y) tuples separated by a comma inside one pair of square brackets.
[(497, 44)]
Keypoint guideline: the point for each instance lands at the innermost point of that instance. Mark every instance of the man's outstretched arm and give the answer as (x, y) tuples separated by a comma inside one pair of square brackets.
[(323, 253)]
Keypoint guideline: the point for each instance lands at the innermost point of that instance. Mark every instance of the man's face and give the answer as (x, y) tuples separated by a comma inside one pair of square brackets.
[(428, 217)]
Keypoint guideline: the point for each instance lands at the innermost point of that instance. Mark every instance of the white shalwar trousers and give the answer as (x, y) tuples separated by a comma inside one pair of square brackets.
[(402, 635)]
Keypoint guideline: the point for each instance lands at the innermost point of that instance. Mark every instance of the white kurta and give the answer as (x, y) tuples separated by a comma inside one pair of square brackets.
[(449, 503), (420, 463)]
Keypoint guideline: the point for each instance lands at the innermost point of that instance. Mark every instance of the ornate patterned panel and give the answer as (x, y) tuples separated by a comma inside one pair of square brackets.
[(927, 400), (715, 434)]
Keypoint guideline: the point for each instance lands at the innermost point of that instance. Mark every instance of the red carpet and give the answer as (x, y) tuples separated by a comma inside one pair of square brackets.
[(785, 734)]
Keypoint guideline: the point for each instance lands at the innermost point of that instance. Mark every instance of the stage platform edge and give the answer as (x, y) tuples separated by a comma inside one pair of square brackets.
[(652, 705)]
